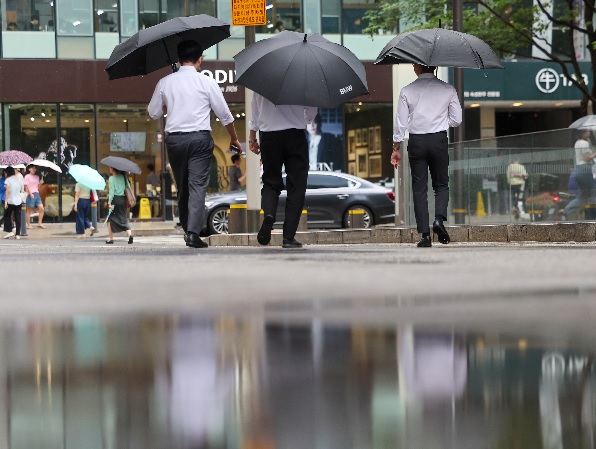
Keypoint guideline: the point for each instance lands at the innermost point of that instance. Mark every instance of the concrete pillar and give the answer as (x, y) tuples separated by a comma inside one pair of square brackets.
[(237, 219)]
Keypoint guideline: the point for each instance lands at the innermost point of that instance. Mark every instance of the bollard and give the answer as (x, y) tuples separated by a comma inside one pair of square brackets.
[(590, 211), (303, 223), (356, 218), (94, 214), (237, 219), (24, 220)]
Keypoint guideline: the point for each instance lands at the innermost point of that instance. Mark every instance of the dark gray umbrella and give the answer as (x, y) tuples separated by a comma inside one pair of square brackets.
[(122, 164), (441, 48), (156, 47), (301, 69)]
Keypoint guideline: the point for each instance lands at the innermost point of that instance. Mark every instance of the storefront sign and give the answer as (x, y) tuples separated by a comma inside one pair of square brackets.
[(248, 12), (523, 81)]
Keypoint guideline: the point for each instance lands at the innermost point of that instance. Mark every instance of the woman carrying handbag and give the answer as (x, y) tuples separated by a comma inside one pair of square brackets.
[(118, 218)]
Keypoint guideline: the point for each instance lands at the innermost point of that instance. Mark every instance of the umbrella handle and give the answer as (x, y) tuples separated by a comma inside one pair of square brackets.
[(174, 66)]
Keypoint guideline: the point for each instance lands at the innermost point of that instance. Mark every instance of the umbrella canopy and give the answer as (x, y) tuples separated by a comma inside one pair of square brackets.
[(122, 164), (439, 47), (87, 176), (301, 69), (156, 47), (587, 121), (14, 157), (45, 164)]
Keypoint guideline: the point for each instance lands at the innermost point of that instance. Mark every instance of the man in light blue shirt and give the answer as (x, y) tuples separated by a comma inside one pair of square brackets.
[(188, 97)]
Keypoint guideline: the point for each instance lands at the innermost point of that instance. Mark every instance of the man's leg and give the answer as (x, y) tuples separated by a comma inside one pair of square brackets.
[(199, 163), (297, 164), (419, 173), (272, 157), (438, 164), (178, 157)]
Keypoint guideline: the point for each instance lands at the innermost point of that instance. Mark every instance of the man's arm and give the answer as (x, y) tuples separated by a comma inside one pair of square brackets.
[(156, 108), (455, 112)]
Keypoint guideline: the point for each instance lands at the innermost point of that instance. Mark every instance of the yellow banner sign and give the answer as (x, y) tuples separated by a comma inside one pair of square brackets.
[(248, 12)]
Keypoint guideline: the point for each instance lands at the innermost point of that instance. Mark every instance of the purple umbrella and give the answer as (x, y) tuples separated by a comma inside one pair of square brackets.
[(14, 157)]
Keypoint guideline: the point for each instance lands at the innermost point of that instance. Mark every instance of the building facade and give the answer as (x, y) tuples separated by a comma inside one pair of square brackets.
[(57, 102)]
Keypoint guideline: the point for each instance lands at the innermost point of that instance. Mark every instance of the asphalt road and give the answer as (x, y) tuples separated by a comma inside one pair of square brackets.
[(469, 283)]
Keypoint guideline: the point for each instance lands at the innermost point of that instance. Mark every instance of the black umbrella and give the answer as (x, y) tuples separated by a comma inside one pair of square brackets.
[(122, 164), (301, 69), (156, 47), (440, 48)]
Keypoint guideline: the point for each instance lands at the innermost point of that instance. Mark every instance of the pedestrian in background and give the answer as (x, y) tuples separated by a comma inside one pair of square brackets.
[(117, 219), (516, 178), (584, 160), (32, 182), (427, 108), (235, 173), (283, 144), (2, 194), (152, 178), (188, 97), (12, 203), (82, 208)]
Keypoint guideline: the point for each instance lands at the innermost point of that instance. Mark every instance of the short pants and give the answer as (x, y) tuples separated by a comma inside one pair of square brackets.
[(35, 201)]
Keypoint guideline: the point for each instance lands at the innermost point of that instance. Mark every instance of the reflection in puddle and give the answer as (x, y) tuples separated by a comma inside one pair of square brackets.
[(238, 383)]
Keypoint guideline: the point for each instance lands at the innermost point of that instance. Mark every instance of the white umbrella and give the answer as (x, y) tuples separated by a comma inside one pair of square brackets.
[(587, 121), (45, 163)]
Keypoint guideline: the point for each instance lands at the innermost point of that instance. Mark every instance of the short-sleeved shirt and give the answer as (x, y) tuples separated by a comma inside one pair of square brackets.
[(15, 185), (582, 147), (83, 191), (32, 183), (235, 175)]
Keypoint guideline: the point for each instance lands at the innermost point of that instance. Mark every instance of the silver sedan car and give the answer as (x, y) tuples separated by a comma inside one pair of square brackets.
[(329, 198)]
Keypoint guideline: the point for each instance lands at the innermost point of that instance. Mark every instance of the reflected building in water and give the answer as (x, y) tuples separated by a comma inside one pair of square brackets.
[(195, 382)]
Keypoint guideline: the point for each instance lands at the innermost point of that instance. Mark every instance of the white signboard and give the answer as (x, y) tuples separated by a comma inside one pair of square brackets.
[(129, 142)]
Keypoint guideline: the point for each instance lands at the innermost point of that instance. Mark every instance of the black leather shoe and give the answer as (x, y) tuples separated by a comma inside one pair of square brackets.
[(194, 241), (291, 243), (441, 232), (264, 235), (426, 242)]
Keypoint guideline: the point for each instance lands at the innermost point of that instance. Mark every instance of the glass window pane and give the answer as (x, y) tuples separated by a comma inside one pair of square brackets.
[(129, 17), (75, 18), (28, 19), (106, 16)]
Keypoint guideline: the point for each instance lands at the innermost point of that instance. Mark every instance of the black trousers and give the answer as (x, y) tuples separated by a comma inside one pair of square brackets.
[(190, 159), (429, 152), (12, 212), (287, 148)]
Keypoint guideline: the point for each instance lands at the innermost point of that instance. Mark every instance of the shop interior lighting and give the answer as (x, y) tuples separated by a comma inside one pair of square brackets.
[(32, 119), (43, 112), (269, 6), (100, 12), (269, 25), (47, 120), (519, 103), (475, 105), (559, 104), (125, 120)]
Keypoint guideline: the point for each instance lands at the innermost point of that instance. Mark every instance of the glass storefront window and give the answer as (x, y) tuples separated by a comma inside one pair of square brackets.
[(126, 130), (75, 18), (129, 18), (21, 26)]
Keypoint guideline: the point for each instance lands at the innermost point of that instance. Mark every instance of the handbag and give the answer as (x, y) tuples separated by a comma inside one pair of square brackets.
[(131, 199)]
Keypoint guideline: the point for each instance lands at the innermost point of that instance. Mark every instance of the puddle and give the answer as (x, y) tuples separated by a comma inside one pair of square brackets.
[(230, 382)]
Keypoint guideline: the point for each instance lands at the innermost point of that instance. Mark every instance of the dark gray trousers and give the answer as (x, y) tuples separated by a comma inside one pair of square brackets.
[(429, 152), (190, 159), (287, 148)]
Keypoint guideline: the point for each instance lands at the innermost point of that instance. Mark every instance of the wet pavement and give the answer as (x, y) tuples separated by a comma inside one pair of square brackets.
[(155, 345)]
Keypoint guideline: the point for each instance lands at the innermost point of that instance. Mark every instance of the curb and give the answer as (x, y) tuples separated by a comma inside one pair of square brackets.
[(547, 233)]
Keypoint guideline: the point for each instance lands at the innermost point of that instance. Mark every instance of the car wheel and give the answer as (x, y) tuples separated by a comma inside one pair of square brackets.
[(218, 221), (368, 217)]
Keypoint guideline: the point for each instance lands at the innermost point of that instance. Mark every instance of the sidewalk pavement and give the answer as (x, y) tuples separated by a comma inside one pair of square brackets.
[(523, 232)]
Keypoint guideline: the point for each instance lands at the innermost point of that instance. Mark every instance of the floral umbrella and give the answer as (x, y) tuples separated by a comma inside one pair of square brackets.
[(14, 157)]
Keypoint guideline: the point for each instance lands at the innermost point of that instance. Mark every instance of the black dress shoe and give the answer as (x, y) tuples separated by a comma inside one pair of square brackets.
[(426, 242), (264, 235), (194, 241), (441, 232), (291, 243)]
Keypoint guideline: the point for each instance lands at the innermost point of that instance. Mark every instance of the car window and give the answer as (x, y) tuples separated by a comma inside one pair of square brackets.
[(316, 181)]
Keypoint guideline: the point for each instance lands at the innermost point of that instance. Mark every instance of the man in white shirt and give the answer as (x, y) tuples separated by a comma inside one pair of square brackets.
[(283, 143), (427, 108), (187, 97)]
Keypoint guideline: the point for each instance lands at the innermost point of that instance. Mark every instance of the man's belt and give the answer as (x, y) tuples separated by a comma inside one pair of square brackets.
[(182, 133)]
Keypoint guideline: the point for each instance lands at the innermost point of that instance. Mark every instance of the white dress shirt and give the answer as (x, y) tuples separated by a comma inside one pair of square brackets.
[(268, 117), (189, 98), (427, 105)]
